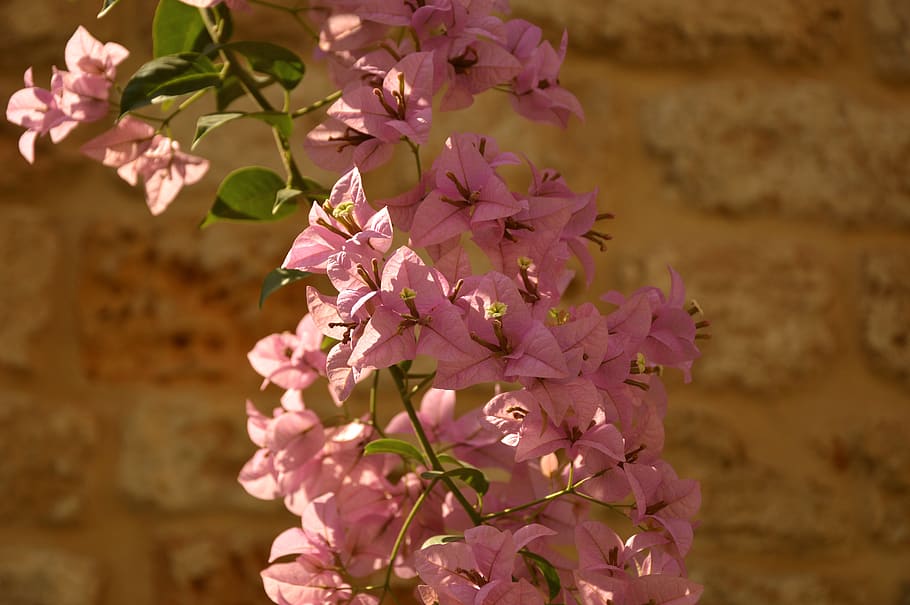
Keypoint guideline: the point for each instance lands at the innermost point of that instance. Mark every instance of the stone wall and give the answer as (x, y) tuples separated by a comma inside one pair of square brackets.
[(761, 148)]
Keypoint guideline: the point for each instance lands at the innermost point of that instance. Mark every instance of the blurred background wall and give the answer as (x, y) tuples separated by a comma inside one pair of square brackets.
[(761, 148)]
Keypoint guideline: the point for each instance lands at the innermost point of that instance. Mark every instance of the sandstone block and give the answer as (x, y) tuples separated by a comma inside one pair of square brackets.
[(674, 31), (28, 23), (872, 458), (700, 444), (801, 150), (184, 304), (727, 585), (757, 509), (211, 568), (886, 312), (45, 455), (770, 310), (28, 254), (889, 21), (31, 576), (183, 453)]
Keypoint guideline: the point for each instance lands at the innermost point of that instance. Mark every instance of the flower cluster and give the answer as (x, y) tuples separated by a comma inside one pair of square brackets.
[(81, 94), (581, 423), (460, 47), (135, 149), (493, 506), (77, 95)]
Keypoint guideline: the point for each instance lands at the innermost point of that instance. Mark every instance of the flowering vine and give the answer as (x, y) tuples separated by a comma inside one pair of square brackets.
[(502, 503)]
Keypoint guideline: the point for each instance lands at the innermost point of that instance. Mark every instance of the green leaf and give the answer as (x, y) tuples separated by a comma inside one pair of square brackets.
[(442, 539), (267, 58), (473, 477), (449, 459), (394, 446), (285, 196), (248, 194), (106, 6), (168, 76), (177, 28), (277, 279), (554, 586), (230, 90), (209, 122), (327, 343), (313, 191)]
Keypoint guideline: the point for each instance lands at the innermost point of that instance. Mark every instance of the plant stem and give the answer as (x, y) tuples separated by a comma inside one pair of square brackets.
[(374, 391), (570, 489), (401, 382), (514, 509), (186, 103), (614, 507), (399, 540), (295, 179), (316, 105), (415, 149)]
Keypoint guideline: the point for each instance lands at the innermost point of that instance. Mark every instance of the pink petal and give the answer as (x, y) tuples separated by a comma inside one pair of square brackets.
[(289, 542), (493, 550), (27, 145)]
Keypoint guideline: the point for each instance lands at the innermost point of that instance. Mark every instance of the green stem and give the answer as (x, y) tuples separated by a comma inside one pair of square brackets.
[(374, 391), (144, 117), (514, 509), (423, 383), (186, 103), (295, 178), (314, 106), (401, 382), (614, 507), (570, 489), (399, 540), (415, 149)]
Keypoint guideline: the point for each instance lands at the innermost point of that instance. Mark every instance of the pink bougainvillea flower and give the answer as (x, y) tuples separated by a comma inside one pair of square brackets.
[(479, 571), (87, 56), (92, 66), (628, 573), (344, 222), (669, 336), (365, 124), (287, 442), (291, 361), (241, 5), (164, 171), (399, 107), (467, 191), (36, 109), (125, 142), (465, 39), (413, 315), (660, 589), (583, 336), (133, 148), (473, 66), (345, 33), (551, 416), (77, 95), (509, 344), (537, 94), (338, 322), (335, 146)]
